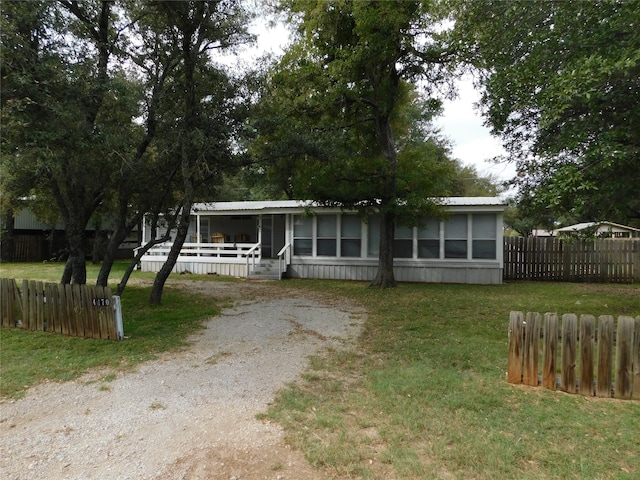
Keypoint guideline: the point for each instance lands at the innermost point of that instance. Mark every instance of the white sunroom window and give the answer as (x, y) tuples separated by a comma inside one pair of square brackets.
[(484, 236), (429, 239), (373, 236), (302, 235), (403, 242), (455, 237), (351, 236), (327, 235)]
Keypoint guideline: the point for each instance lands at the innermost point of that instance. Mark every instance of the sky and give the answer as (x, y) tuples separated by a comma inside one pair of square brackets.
[(472, 142)]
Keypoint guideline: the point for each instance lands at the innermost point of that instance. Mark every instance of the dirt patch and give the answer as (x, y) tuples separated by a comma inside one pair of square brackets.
[(191, 414)]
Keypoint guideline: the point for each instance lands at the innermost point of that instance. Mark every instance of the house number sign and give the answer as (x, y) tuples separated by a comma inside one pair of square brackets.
[(101, 302)]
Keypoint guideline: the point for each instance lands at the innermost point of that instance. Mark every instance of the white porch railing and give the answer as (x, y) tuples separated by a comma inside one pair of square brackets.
[(207, 252), (251, 255), (284, 259)]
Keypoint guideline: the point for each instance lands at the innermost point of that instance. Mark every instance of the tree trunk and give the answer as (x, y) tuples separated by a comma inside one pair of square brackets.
[(385, 277), (172, 258), (100, 244), (134, 262), (75, 270), (110, 255)]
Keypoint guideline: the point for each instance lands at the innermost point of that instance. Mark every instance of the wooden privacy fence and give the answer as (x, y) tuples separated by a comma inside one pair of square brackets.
[(73, 310), (580, 352), (572, 260)]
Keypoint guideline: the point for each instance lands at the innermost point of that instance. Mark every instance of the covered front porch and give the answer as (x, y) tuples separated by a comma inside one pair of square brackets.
[(247, 239)]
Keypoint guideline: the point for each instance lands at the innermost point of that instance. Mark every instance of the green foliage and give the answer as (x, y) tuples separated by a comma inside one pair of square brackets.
[(562, 89), (341, 119)]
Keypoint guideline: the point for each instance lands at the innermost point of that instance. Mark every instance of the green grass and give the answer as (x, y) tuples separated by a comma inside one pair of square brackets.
[(424, 395), (28, 358)]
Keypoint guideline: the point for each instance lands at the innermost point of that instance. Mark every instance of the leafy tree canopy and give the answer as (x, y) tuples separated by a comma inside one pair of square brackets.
[(562, 88), (341, 119)]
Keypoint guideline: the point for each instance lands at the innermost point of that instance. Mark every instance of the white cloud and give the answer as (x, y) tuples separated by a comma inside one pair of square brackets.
[(472, 143)]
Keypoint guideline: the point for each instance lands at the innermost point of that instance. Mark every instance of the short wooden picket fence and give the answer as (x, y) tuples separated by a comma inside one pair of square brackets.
[(73, 310), (586, 356)]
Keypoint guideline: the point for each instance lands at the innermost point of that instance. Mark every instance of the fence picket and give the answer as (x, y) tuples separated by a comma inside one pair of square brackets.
[(605, 355), (63, 312), (587, 346), (532, 334), (78, 310), (550, 351), (87, 318), (33, 309), (17, 302), (636, 359), (39, 305), (516, 330), (569, 341), (624, 358)]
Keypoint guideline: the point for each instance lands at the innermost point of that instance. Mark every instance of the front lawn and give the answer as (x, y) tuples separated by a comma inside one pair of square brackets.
[(424, 395)]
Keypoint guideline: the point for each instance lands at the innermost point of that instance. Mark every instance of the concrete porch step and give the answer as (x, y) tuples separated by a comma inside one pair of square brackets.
[(266, 270)]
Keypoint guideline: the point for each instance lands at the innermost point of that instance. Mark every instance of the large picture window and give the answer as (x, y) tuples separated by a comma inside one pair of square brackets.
[(351, 236), (302, 235), (455, 237), (429, 239), (484, 236)]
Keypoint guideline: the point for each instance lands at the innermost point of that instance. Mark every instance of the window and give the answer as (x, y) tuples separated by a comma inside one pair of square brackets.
[(302, 235), (373, 244), (455, 237), (403, 242), (350, 241), (484, 236), (326, 241), (429, 239)]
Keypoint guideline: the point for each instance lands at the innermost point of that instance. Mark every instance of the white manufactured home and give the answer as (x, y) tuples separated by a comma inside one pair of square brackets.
[(299, 239)]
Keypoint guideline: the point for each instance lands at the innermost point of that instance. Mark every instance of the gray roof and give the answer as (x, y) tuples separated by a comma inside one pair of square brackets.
[(281, 206)]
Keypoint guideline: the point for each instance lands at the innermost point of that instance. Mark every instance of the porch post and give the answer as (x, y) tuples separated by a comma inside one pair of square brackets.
[(198, 227)]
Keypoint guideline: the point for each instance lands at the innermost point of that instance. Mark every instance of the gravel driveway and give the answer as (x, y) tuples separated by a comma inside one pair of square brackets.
[(188, 415)]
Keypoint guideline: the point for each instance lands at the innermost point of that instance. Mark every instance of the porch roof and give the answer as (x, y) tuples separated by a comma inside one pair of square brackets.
[(289, 206)]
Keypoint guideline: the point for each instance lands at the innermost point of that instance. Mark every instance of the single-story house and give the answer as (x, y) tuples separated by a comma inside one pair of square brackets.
[(599, 229), (300, 239)]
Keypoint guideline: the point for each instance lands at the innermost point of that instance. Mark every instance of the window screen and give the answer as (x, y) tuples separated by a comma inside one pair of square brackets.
[(455, 237), (350, 243)]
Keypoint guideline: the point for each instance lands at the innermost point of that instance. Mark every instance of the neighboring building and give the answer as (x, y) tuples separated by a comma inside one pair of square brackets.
[(599, 229), (302, 240), (538, 232), (34, 241)]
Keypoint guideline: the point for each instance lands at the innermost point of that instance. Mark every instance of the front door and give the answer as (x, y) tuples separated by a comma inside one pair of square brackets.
[(273, 235), (267, 236)]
